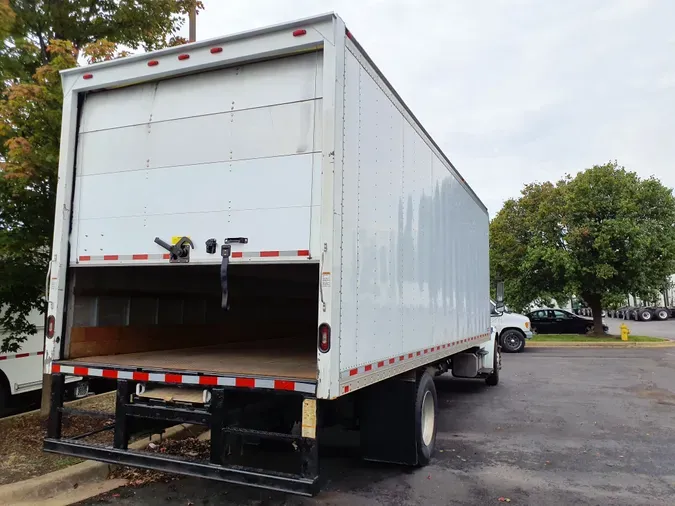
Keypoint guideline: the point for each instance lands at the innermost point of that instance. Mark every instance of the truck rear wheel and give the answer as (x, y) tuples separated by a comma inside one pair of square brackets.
[(661, 314), (493, 379), (425, 419), (4, 397)]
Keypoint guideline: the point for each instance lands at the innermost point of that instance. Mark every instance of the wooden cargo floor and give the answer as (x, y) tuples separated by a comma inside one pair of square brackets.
[(273, 362)]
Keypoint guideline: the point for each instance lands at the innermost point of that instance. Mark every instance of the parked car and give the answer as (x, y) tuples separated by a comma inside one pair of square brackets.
[(512, 329), (559, 321)]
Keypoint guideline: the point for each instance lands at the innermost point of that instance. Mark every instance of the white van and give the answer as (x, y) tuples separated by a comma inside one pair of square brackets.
[(512, 329)]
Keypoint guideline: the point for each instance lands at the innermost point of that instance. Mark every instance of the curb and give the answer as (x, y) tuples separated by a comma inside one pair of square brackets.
[(68, 479), (592, 344)]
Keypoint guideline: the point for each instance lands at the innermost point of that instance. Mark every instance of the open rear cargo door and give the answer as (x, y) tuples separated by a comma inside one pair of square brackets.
[(221, 154)]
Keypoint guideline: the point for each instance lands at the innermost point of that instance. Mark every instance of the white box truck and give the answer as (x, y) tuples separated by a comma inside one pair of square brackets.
[(21, 370), (255, 234)]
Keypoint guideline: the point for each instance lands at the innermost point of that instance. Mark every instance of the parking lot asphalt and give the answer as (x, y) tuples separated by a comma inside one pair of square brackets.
[(565, 426), (651, 329)]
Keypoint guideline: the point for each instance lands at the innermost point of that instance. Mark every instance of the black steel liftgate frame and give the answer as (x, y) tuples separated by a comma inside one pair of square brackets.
[(214, 417)]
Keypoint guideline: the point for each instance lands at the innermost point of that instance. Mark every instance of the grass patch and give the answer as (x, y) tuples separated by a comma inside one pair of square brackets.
[(21, 455), (575, 338)]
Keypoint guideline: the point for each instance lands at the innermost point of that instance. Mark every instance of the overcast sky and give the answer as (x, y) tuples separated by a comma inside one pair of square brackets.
[(513, 90)]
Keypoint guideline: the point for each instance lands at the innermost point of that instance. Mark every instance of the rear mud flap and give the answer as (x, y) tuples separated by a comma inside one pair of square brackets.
[(387, 412)]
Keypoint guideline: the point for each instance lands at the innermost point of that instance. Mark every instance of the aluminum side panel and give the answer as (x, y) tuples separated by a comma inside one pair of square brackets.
[(414, 241)]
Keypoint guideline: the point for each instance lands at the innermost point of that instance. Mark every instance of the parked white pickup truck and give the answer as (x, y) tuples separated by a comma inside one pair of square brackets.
[(512, 329)]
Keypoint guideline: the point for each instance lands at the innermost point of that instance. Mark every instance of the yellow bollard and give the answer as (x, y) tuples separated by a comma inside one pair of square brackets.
[(624, 332)]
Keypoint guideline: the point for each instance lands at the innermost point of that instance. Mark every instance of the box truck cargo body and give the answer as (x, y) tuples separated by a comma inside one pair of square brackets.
[(259, 220)]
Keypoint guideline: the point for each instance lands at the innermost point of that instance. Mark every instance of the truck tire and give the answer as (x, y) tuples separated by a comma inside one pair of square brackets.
[(426, 411), (493, 379), (661, 314), (513, 341), (645, 315), (4, 397)]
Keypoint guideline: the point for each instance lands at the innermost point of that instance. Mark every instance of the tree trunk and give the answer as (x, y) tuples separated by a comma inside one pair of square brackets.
[(595, 303)]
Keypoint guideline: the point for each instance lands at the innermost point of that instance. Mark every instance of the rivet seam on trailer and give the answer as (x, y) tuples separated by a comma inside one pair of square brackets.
[(21, 355), (350, 373), (166, 256), (187, 379)]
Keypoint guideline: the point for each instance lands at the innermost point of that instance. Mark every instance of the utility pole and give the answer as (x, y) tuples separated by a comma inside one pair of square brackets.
[(193, 22)]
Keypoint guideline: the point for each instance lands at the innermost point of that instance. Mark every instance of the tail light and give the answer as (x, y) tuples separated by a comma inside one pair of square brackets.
[(324, 337), (51, 325)]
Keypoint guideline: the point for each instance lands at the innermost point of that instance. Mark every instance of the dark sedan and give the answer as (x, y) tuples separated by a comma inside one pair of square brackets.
[(558, 321)]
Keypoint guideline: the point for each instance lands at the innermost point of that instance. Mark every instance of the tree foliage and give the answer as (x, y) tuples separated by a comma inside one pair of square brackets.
[(40, 38), (600, 235)]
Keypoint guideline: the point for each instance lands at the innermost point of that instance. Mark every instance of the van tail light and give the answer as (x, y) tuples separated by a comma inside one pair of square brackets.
[(51, 325), (324, 337)]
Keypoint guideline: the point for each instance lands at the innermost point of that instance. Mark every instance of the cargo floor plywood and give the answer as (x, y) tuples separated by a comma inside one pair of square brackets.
[(270, 362)]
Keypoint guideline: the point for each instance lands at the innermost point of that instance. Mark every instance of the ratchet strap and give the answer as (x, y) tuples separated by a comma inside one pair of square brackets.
[(225, 251)]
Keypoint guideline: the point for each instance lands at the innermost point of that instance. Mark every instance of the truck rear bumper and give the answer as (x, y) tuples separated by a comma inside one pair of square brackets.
[(221, 415), (240, 476)]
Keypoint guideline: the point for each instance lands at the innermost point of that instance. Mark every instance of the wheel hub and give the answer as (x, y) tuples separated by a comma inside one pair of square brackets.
[(428, 418)]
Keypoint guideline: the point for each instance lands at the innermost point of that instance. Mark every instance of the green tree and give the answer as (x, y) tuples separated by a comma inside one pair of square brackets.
[(40, 38), (600, 235)]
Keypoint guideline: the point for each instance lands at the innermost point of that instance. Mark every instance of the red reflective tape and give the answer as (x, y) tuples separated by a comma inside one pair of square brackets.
[(80, 371), (109, 373), (140, 257), (85, 258), (141, 376), (55, 367), (111, 257), (22, 355), (392, 360), (353, 372), (268, 254), (284, 385), (380, 364), (208, 380), (245, 382), (368, 368), (237, 254), (303, 253), (173, 378)]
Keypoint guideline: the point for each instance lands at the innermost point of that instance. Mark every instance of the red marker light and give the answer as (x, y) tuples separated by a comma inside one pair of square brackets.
[(299, 33), (324, 337), (51, 325)]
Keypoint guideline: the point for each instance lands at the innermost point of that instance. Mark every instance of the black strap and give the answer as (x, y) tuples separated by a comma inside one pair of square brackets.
[(225, 252)]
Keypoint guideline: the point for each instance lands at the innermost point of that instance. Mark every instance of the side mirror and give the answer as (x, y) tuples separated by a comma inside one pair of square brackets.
[(499, 298)]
